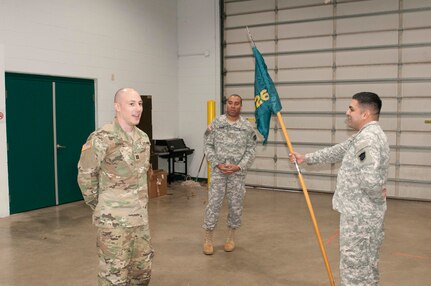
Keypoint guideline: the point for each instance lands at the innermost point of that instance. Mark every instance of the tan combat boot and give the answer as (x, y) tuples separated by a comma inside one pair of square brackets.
[(208, 243), (230, 244)]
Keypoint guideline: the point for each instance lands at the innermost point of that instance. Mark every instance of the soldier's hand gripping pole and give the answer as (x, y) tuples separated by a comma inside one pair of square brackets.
[(307, 199)]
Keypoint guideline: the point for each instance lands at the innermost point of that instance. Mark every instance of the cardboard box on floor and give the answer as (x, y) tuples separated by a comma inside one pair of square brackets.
[(157, 181)]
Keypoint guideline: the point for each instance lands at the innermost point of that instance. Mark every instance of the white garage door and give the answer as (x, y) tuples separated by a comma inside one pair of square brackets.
[(319, 55)]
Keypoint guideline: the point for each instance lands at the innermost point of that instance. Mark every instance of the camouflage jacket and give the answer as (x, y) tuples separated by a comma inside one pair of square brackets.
[(112, 175), (363, 172), (230, 143)]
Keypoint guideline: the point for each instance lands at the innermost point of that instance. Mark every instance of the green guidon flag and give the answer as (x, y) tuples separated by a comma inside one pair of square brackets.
[(266, 100)]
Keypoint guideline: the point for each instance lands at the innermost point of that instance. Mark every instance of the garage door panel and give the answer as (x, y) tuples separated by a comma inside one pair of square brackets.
[(362, 7), (415, 157), (416, 89), (251, 6), (368, 39), (240, 77), (245, 48), (318, 65), (305, 29), (419, 70), (307, 121), (370, 57), (416, 19), (319, 104), (416, 36), (367, 24), (416, 105), (256, 18), (417, 139), (419, 54), (305, 74), (308, 60), (304, 13), (367, 72), (304, 91), (305, 44), (260, 178), (311, 136), (415, 191), (382, 89), (415, 173), (259, 33), (415, 123)]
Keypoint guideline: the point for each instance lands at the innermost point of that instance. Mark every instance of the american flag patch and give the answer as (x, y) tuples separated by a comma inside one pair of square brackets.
[(86, 146)]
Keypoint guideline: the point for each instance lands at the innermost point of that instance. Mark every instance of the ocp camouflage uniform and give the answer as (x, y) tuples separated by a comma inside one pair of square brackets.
[(360, 200), (228, 143), (112, 175)]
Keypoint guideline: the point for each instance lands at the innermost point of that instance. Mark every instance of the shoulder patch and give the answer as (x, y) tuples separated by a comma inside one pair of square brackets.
[(86, 146)]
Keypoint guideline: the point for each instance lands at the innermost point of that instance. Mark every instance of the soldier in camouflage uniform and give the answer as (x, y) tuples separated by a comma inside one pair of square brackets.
[(360, 195), (230, 146), (112, 175)]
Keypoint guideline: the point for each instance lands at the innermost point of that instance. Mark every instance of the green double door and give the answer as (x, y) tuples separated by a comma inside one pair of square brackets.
[(48, 120)]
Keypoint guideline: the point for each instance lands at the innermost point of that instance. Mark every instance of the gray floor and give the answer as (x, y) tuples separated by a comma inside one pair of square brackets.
[(276, 246)]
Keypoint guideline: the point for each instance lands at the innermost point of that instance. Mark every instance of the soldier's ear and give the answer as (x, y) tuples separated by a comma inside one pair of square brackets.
[(117, 106)]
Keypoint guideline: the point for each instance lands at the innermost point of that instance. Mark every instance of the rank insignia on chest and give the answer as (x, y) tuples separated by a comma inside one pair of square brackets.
[(137, 157), (362, 156)]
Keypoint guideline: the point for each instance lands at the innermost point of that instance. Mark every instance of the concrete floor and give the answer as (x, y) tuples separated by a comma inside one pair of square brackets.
[(276, 245)]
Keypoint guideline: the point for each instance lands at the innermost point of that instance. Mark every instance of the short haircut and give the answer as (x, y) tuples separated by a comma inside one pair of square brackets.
[(369, 100), (118, 93), (229, 96)]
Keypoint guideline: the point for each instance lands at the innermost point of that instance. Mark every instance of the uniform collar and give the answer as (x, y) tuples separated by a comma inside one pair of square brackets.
[(123, 134), (368, 124)]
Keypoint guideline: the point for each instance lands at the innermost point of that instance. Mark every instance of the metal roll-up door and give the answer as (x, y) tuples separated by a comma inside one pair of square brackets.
[(319, 55)]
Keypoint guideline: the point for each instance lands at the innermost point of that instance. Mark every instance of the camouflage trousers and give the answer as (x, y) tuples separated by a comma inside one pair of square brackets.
[(233, 186), (125, 256), (360, 241)]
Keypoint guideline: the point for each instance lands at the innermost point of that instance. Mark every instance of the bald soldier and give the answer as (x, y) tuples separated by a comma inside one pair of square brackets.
[(112, 175), (360, 194)]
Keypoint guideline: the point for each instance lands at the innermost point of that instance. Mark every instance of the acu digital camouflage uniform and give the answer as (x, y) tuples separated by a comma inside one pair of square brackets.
[(228, 143), (112, 175), (360, 200)]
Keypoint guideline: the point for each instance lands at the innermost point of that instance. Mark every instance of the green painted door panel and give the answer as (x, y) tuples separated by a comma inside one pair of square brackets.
[(29, 130), (39, 155), (75, 121)]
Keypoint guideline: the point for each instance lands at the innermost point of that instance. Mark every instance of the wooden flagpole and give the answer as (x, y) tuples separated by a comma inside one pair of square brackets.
[(304, 189), (307, 199)]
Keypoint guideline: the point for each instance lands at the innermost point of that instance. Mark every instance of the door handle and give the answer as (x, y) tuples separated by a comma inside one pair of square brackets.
[(60, 146)]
